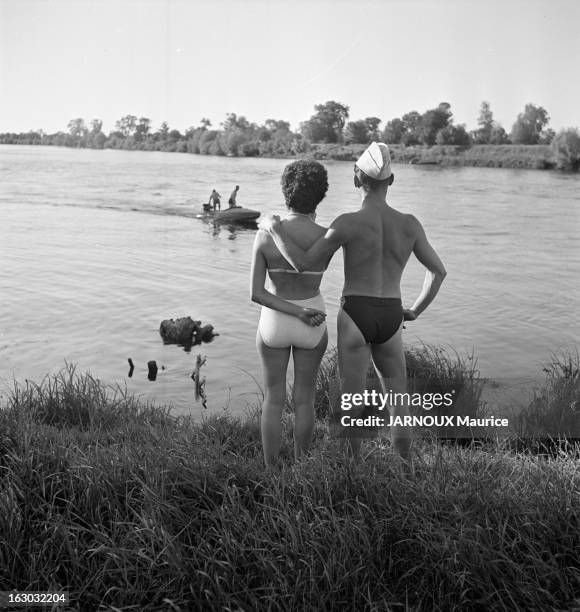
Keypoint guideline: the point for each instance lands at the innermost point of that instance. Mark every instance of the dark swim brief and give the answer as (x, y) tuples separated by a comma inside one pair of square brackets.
[(377, 318)]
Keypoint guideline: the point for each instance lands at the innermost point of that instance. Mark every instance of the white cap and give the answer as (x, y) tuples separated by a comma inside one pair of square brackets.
[(376, 161)]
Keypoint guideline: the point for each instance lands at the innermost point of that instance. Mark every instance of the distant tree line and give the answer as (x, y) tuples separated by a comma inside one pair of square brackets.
[(329, 124), (237, 137)]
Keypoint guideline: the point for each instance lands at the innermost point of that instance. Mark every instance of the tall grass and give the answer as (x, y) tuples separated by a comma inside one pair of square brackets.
[(554, 411), (128, 507), (566, 149)]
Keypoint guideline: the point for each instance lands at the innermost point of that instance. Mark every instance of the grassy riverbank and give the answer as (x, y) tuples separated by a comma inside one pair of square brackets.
[(489, 156), (125, 505)]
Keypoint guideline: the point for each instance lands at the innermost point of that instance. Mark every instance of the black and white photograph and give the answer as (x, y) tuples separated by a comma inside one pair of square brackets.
[(289, 300)]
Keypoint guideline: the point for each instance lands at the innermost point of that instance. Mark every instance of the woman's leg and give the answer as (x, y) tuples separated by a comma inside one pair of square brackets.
[(306, 364), (274, 365)]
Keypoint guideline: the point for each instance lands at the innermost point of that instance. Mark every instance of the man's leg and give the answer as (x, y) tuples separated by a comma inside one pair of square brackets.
[(389, 362), (353, 363)]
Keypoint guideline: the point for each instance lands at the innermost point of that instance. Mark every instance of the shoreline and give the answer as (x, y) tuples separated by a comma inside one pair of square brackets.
[(530, 157)]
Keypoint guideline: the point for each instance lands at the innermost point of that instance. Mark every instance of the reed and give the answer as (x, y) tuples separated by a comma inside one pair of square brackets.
[(554, 412), (128, 507)]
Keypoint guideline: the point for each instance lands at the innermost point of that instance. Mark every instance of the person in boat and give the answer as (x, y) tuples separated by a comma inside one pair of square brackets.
[(292, 318), (214, 200), (377, 241), (232, 200)]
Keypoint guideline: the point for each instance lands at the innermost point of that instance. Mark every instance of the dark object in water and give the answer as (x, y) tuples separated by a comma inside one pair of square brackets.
[(152, 365), (199, 382), (423, 162), (185, 331), (131, 367)]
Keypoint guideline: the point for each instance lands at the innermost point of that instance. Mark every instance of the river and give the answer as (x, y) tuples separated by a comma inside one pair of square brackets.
[(98, 247)]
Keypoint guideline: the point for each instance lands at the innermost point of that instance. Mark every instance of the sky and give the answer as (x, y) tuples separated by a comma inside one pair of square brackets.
[(182, 60)]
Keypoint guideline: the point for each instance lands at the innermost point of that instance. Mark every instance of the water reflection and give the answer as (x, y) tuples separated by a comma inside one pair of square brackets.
[(233, 229)]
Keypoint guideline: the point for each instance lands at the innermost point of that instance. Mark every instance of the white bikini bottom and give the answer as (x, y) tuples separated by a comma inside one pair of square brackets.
[(280, 330)]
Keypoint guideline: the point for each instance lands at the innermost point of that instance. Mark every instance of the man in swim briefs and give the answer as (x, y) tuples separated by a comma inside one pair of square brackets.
[(377, 241)]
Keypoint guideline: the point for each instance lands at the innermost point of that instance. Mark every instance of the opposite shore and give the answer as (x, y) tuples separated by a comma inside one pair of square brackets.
[(535, 157)]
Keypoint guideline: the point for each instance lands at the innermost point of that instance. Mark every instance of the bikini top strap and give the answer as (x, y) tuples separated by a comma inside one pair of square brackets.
[(292, 271)]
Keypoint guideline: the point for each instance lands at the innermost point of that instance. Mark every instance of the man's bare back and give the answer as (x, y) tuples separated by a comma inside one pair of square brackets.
[(378, 241)]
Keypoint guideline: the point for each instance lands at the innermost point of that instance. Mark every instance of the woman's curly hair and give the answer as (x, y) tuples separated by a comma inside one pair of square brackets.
[(304, 184)]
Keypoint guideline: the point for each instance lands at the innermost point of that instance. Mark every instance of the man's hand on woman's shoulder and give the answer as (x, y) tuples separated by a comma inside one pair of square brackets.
[(269, 223)]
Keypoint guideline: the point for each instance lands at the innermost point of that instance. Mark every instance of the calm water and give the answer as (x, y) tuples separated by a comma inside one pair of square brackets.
[(97, 247)]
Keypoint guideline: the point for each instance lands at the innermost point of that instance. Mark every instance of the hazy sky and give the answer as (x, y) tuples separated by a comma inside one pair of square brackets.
[(181, 60)]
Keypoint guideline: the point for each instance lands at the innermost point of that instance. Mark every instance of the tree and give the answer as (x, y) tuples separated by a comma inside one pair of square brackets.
[(233, 122), (232, 141), (485, 123), (95, 138), (205, 123), (362, 131), (327, 123), (142, 128), (489, 131), (412, 123), (126, 125), (77, 128), (498, 135), (274, 137), (373, 128), (163, 131), (276, 125), (529, 125), (566, 149), (394, 131), (547, 136), (314, 130), (356, 132), (432, 121), (453, 135), (237, 132), (206, 139), (96, 126)]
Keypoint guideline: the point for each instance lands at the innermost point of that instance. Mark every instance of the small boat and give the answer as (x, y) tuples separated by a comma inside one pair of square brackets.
[(229, 215)]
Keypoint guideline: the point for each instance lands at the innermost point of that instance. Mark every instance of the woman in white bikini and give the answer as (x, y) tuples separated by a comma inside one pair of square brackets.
[(293, 313)]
